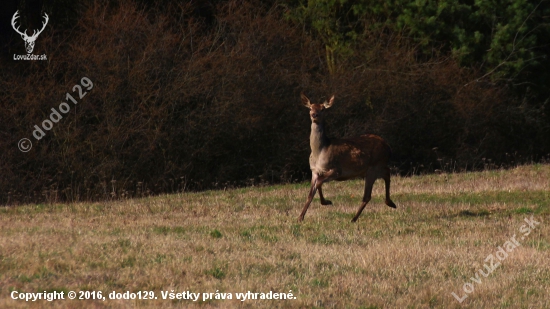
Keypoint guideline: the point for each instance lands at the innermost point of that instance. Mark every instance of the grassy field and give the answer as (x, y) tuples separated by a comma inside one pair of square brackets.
[(442, 233)]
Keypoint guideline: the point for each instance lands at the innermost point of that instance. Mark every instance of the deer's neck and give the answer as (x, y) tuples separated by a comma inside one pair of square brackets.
[(318, 139)]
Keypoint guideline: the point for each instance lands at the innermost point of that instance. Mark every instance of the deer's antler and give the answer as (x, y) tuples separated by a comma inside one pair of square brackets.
[(44, 23), (15, 16)]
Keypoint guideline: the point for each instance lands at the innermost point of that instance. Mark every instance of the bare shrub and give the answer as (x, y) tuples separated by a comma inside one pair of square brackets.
[(184, 99)]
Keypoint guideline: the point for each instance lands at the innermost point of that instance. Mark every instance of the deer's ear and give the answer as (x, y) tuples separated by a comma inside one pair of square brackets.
[(329, 103), (305, 100)]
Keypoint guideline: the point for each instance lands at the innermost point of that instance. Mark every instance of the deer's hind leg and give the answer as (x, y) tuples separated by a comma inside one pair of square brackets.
[(369, 181), (386, 177)]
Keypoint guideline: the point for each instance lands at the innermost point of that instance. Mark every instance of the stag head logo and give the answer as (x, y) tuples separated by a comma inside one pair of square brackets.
[(29, 40)]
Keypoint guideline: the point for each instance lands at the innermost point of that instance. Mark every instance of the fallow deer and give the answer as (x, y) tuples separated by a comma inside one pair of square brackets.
[(343, 159)]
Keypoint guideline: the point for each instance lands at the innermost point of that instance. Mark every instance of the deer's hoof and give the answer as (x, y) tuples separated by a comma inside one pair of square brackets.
[(326, 202), (390, 204)]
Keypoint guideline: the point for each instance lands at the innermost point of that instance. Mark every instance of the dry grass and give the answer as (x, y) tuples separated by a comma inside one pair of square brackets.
[(248, 240)]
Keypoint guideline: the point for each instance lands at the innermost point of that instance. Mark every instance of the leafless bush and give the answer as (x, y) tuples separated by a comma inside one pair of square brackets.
[(181, 102)]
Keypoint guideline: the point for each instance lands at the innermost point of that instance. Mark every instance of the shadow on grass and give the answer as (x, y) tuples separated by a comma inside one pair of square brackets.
[(468, 213)]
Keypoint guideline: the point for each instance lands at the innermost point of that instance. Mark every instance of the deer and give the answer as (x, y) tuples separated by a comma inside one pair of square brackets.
[(365, 156), (29, 40)]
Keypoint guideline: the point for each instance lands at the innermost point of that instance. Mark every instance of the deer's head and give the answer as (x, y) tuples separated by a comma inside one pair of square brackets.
[(316, 111), (29, 40)]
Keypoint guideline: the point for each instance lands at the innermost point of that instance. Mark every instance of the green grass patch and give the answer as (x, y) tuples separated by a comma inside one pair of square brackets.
[(216, 234), (216, 272), (523, 210)]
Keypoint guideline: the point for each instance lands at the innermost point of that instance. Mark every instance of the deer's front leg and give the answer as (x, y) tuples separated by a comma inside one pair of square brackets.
[(323, 201), (312, 190), (316, 183)]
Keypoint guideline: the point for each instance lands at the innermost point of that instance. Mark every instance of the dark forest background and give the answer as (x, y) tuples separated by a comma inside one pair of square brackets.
[(193, 95)]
